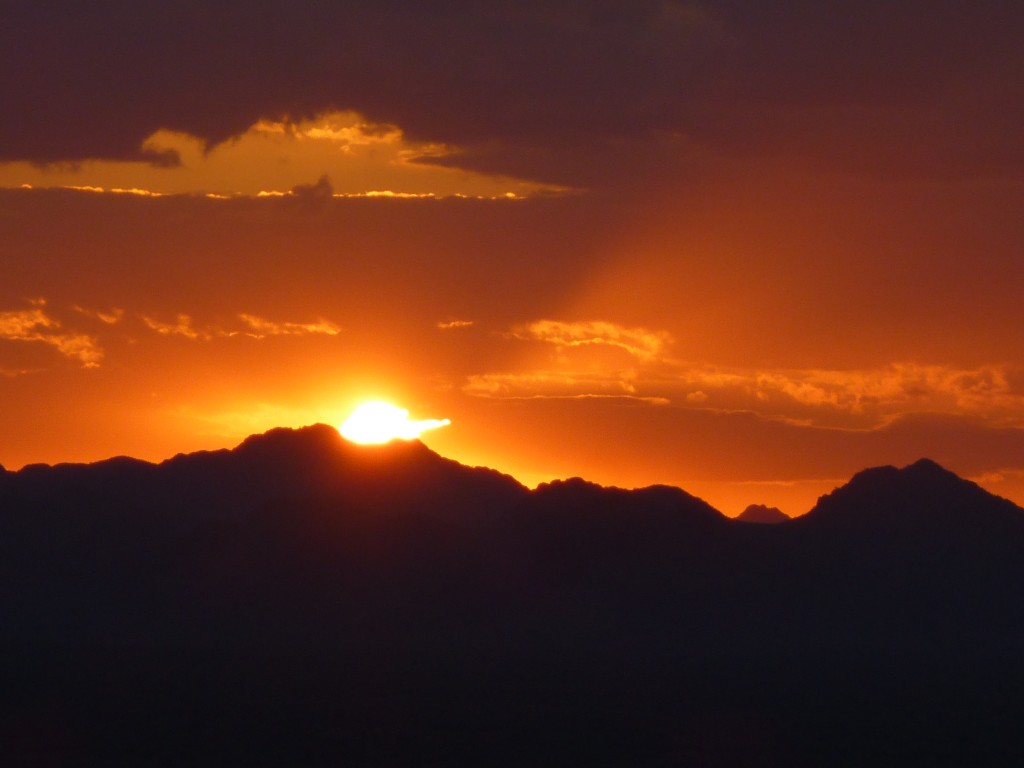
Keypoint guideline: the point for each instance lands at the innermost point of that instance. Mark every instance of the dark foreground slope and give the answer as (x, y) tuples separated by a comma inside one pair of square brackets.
[(303, 601)]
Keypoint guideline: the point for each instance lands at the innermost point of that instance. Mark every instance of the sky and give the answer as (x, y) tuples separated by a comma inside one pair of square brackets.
[(744, 248)]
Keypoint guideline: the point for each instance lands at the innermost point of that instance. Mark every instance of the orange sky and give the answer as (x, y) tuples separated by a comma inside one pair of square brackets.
[(751, 291)]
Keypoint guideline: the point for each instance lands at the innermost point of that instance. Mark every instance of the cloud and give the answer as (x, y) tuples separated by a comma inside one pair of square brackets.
[(594, 359), (14, 172), (851, 399), (381, 59), (900, 388), (322, 190), (36, 325), (39, 324), (557, 385), (277, 159), (252, 326), (180, 326), (447, 325), (743, 77), (859, 399), (1000, 475), (113, 317), (261, 328), (641, 343)]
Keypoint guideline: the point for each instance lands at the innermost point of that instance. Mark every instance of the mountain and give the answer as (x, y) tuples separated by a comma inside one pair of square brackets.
[(921, 519), (920, 495), (759, 513), (302, 600)]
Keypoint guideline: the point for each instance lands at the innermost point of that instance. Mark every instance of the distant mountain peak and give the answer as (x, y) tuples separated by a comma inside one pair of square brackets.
[(925, 464), (919, 495), (922, 475), (760, 513)]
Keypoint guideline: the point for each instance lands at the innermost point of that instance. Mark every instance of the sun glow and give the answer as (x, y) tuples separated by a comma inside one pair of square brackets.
[(376, 422)]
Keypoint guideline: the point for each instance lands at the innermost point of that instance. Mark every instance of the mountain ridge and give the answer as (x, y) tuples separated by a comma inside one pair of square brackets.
[(316, 452), (299, 599)]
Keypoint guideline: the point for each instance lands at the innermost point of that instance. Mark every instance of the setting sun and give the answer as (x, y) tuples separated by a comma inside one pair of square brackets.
[(376, 422)]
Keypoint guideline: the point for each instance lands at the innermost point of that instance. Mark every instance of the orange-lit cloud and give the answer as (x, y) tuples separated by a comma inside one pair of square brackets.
[(866, 397), (252, 326), (100, 190), (860, 399), (447, 325), (557, 385), (89, 336), (261, 327), (591, 359), (350, 156), (35, 325), (640, 342), (180, 326), (111, 317)]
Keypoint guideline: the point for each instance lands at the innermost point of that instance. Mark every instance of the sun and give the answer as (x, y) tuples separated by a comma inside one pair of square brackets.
[(376, 422)]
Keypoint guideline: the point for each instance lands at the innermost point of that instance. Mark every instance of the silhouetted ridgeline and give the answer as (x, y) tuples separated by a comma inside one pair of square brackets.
[(300, 600), (759, 513)]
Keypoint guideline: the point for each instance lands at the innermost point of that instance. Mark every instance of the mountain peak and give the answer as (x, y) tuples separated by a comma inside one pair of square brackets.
[(324, 440), (760, 513), (932, 470), (317, 449), (323, 434), (921, 494)]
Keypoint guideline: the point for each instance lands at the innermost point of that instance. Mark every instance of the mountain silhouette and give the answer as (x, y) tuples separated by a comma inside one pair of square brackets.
[(921, 495), (921, 520), (303, 600), (759, 513)]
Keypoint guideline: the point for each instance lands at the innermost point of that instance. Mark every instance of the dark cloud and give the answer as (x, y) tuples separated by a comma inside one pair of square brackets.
[(913, 84), (320, 191)]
